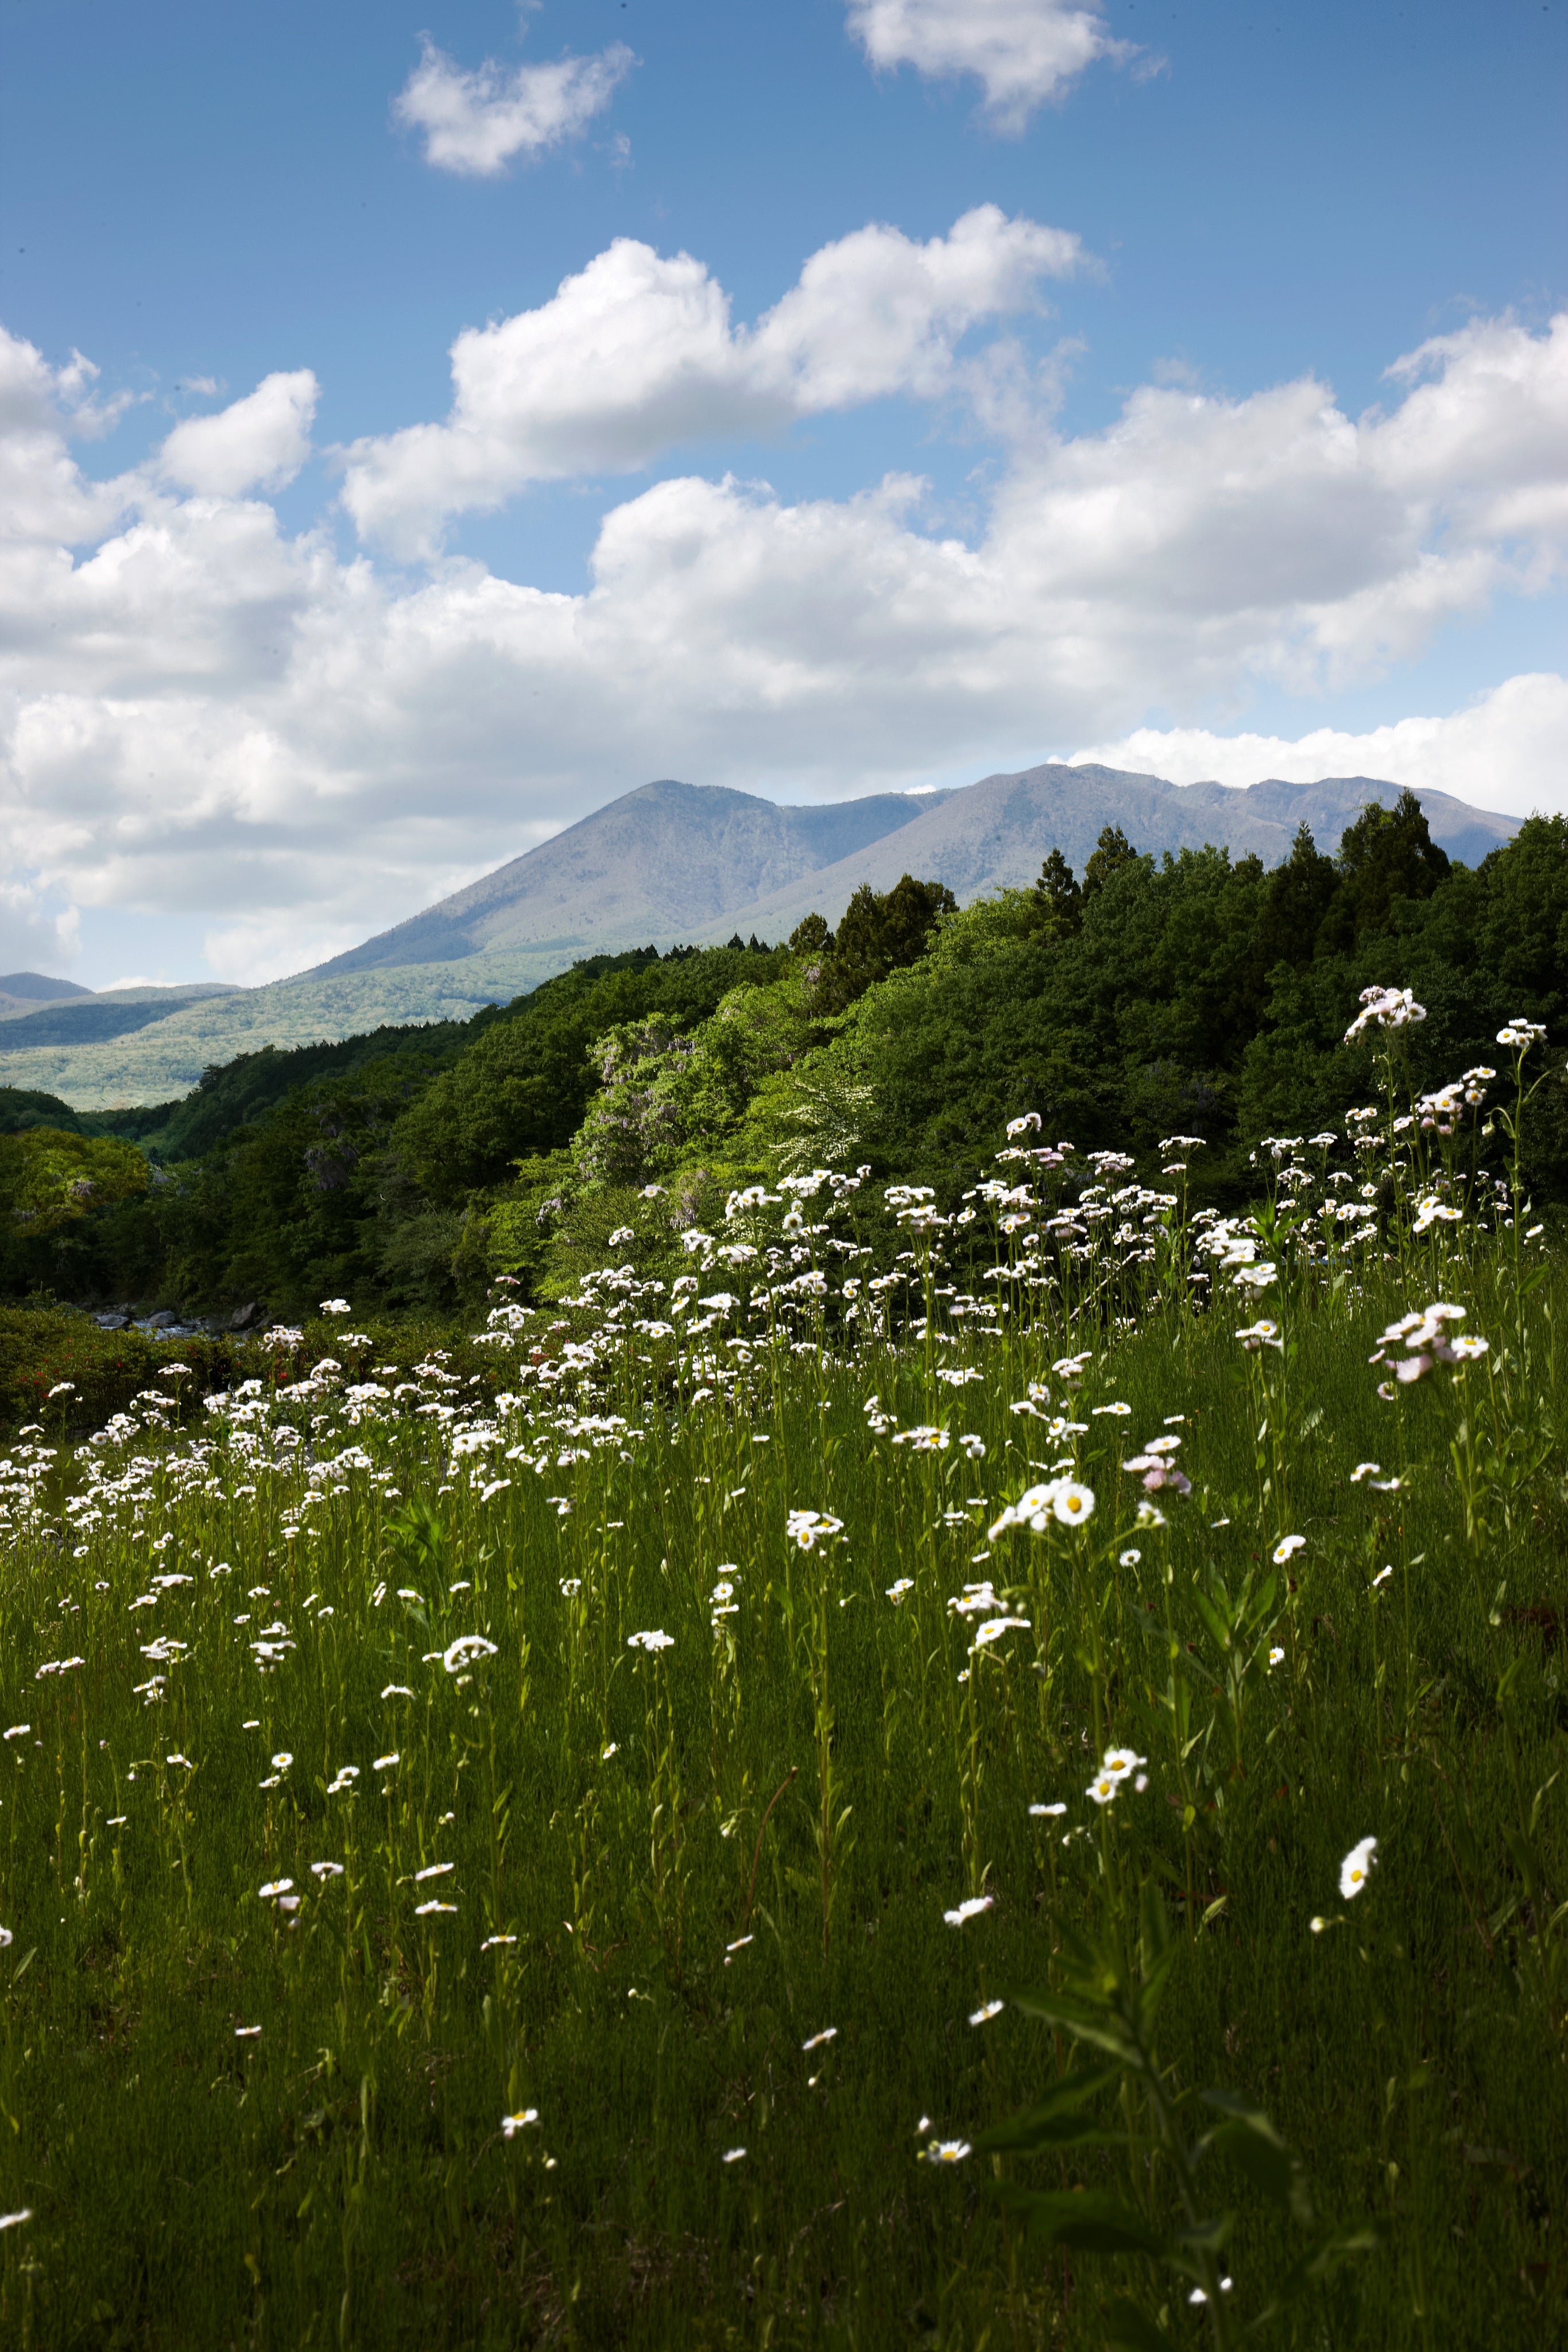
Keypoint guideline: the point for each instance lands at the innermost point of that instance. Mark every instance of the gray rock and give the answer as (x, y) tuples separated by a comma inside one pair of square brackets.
[(244, 1316), (164, 1320), (111, 1322)]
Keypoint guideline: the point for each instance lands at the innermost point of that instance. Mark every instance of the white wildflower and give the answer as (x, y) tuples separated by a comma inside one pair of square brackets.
[(1356, 1867)]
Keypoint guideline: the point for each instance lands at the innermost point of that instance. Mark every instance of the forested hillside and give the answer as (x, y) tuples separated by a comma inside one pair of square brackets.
[(1199, 995)]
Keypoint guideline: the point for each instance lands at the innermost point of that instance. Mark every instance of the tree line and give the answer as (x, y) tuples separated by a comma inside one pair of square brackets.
[(1194, 993)]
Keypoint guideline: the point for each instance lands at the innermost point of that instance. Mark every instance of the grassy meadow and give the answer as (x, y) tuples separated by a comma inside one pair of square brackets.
[(810, 1802)]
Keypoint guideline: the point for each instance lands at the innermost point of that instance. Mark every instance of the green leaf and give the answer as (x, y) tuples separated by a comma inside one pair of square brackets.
[(1207, 2237), (1218, 1627), (1263, 1600), (1127, 2329), (1535, 1808), (1085, 2220), (1153, 1922), (1526, 1857), (1150, 1993), (1272, 2171), (1056, 2119), (1320, 2261), (1252, 2142), (1196, 1670), (1068, 2018), (1032, 2130)]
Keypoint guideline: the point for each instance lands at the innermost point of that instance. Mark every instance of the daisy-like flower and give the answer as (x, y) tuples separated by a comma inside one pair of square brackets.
[(1357, 1867), (995, 1627), (1366, 1470), (987, 2010), (895, 1592), (397, 1690), (1276, 1658), (1382, 1577), (385, 1763), (970, 1908), (653, 1642), (512, 2124), (1287, 1548), (246, 2032), (1031, 1510), (611, 1748), (1103, 1787), (325, 1870), (732, 2156), (828, 2033), (274, 1889), (1047, 1812), (947, 2151), (974, 1599), (466, 1651), (1131, 1557), (1072, 1503), (1121, 1762), (433, 1870), (425, 1910), (809, 1528), (1389, 1008), (490, 1942)]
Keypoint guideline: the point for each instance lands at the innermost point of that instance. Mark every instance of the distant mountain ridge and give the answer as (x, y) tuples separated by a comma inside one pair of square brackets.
[(672, 861), (666, 863), (84, 1017), (995, 835), (20, 990), (663, 861)]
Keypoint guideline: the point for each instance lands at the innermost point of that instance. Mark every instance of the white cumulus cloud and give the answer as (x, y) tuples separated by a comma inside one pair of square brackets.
[(476, 122), (635, 355), (1024, 52), (1503, 750), (203, 712), (257, 443)]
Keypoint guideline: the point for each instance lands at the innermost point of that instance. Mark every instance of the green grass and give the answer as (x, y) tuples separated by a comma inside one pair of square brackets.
[(813, 1775)]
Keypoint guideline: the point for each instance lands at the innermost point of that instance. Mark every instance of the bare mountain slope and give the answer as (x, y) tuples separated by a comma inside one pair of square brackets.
[(998, 832), (666, 863), (675, 861), (661, 863)]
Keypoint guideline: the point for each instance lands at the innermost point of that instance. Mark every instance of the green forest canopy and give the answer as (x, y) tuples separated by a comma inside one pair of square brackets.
[(1195, 994)]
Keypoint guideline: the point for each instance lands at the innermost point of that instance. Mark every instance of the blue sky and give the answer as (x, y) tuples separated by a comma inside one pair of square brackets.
[(249, 717)]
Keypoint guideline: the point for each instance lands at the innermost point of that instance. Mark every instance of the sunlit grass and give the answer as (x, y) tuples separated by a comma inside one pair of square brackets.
[(560, 1870)]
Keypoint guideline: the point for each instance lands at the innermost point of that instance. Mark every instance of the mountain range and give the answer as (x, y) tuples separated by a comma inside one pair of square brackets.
[(666, 863)]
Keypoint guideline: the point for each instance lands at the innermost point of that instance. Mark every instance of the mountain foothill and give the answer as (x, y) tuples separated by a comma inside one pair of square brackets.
[(667, 864)]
